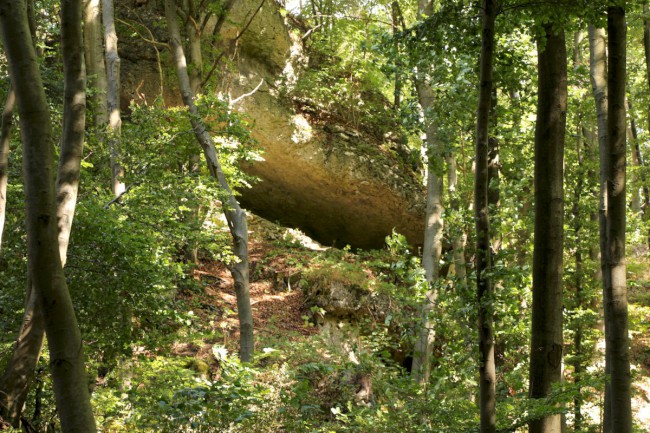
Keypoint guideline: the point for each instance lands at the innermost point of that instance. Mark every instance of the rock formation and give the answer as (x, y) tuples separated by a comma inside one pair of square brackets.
[(334, 183)]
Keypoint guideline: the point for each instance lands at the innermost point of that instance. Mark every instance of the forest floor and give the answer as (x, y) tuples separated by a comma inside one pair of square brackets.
[(280, 310), (283, 323)]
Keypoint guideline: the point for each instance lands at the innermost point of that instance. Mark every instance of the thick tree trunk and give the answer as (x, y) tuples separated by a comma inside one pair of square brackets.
[(546, 333), (94, 54), (235, 215), (20, 370), (45, 270), (598, 76), (113, 98), (484, 288), (617, 336), (5, 138)]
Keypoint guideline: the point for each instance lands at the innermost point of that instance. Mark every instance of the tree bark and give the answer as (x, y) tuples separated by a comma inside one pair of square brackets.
[(94, 55), (20, 370), (21, 367), (433, 230), (546, 333), (578, 362), (44, 262), (5, 138), (194, 54), (235, 215), (598, 77), (646, 49), (484, 288), (616, 289), (458, 235), (113, 98), (638, 199)]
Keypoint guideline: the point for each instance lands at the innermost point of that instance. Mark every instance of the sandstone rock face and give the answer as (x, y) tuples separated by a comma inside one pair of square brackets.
[(331, 182)]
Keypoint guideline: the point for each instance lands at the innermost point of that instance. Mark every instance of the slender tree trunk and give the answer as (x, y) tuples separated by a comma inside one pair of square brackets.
[(546, 334), (5, 138), (113, 98), (433, 230), (194, 54), (632, 138), (484, 288), (195, 72), (45, 269), (397, 93), (21, 368), (235, 215), (94, 55), (494, 191), (458, 235), (578, 281), (598, 74), (621, 408), (646, 47)]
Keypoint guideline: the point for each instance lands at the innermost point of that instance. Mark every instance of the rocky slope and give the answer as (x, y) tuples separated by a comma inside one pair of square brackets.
[(333, 182)]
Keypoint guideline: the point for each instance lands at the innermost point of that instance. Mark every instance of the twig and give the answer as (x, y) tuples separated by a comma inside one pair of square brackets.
[(117, 199), (246, 95)]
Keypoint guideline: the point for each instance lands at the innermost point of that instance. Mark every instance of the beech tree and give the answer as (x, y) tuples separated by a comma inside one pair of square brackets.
[(546, 333), (47, 241), (433, 230), (598, 78), (235, 215), (113, 98), (5, 137), (95, 66), (615, 288), (487, 369)]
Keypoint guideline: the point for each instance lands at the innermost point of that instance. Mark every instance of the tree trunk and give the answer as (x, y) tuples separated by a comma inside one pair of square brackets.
[(195, 72), (546, 333), (235, 215), (113, 98), (433, 230), (20, 370), (45, 270), (395, 14), (494, 191), (632, 138), (646, 48), (5, 138), (21, 367), (94, 54), (194, 54), (616, 289), (484, 289), (458, 235), (578, 282), (598, 76)]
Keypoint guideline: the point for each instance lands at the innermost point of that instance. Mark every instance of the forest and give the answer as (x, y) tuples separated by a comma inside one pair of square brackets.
[(328, 216)]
